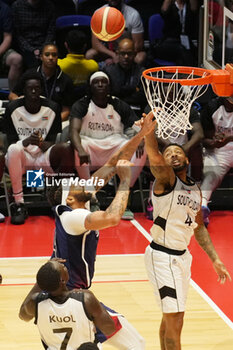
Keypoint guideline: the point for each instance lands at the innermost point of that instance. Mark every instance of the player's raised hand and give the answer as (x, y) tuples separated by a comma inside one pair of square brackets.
[(221, 270), (147, 123)]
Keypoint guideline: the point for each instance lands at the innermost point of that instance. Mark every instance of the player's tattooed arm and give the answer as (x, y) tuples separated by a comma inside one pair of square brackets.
[(127, 151), (203, 238), (118, 205), (105, 173), (112, 215)]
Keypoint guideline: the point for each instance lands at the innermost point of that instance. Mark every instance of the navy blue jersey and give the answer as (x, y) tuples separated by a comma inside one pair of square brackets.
[(79, 252)]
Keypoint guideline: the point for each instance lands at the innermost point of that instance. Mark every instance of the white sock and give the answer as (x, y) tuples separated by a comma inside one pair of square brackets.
[(204, 202), (18, 197)]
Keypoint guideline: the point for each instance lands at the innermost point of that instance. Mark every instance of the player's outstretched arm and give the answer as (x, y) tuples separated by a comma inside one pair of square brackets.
[(162, 172), (112, 215), (203, 238), (98, 314), (126, 152)]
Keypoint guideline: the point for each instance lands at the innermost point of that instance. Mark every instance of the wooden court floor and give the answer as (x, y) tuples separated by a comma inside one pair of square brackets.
[(121, 283)]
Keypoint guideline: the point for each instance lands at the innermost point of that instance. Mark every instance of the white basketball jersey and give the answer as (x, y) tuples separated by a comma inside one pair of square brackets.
[(25, 123), (223, 122), (174, 215), (99, 123), (64, 326)]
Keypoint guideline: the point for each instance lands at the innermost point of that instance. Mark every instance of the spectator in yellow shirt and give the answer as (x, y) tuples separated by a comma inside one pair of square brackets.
[(75, 64)]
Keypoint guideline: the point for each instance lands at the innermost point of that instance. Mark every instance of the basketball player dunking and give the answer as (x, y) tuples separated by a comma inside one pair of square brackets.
[(177, 216)]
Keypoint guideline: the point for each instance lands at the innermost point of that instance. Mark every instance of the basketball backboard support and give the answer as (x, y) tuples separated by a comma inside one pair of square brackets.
[(217, 34)]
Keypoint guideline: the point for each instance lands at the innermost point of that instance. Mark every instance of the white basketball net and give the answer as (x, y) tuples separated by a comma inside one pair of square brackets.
[(171, 102)]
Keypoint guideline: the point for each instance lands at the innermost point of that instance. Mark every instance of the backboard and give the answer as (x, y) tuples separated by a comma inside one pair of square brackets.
[(217, 33)]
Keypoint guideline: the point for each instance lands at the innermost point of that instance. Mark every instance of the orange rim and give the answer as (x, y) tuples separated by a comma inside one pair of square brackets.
[(202, 80)]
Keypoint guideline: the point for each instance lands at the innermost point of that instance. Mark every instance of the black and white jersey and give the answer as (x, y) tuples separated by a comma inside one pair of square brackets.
[(215, 117), (20, 124), (63, 326), (174, 215), (99, 122)]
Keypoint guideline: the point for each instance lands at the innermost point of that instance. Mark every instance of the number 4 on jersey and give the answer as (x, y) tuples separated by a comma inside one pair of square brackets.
[(188, 220)]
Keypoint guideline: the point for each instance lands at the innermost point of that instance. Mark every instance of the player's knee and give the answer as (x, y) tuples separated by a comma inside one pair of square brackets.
[(68, 151), (14, 149), (61, 152), (179, 321), (174, 321), (15, 59)]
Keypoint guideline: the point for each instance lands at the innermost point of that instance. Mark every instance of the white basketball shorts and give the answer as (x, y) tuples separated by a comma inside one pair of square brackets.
[(170, 276)]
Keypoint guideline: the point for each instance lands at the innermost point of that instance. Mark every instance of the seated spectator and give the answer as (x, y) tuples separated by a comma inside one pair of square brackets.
[(2, 146), (2, 166), (146, 8), (179, 42), (34, 25), (31, 125), (9, 59), (217, 122), (101, 51), (56, 85), (126, 75), (75, 64), (99, 125)]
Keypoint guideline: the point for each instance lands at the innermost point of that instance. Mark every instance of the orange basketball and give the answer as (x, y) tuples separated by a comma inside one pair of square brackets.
[(107, 23)]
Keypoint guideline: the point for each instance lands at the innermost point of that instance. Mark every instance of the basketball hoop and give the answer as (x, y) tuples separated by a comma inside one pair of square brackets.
[(171, 91)]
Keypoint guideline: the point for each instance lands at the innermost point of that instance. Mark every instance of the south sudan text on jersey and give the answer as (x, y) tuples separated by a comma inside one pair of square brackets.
[(29, 131), (187, 200), (100, 126)]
